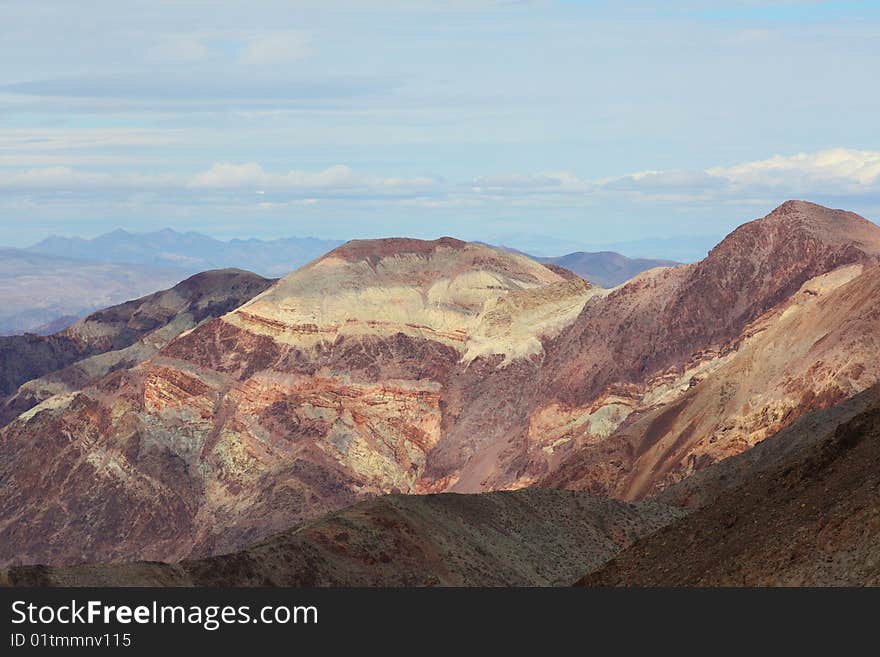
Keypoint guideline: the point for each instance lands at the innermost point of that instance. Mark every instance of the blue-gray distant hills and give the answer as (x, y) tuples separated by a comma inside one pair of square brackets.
[(602, 268), (190, 252), (605, 268), (44, 294)]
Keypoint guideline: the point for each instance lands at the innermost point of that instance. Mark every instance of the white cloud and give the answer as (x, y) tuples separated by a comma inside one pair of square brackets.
[(837, 169), (222, 176), (50, 177), (551, 181), (833, 172), (59, 147), (226, 175), (836, 172), (276, 48)]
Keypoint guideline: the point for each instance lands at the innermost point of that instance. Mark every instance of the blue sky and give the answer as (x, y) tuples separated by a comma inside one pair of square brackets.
[(547, 125)]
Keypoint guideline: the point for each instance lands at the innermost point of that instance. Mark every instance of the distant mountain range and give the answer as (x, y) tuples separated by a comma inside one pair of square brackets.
[(602, 268), (685, 248), (606, 268), (193, 252), (190, 252), (45, 293), (50, 285)]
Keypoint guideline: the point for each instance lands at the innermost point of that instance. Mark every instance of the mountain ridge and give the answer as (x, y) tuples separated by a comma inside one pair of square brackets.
[(189, 251), (519, 538), (638, 347)]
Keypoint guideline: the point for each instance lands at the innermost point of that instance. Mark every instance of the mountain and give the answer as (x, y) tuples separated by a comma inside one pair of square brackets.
[(683, 248), (807, 515), (114, 338), (605, 268), (37, 290), (783, 317), (333, 384), (521, 538), (190, 252), (408, 366)]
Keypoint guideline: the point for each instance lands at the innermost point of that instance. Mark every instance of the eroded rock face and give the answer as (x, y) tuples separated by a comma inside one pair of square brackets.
[(811, 352), (783, 317)]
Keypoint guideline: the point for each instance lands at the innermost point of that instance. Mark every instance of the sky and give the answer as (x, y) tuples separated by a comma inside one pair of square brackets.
[(544, 125)]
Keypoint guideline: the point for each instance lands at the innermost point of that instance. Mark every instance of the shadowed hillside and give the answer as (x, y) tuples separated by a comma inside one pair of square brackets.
[(522, 538)]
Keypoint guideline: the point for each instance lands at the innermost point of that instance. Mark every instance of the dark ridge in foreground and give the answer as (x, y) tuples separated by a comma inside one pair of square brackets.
[(529, 537), (812, 520)]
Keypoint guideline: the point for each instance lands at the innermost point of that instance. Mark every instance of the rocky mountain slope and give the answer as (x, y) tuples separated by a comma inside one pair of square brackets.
[(777, 452), (706, 360), (114, 338), (802, 510), (813, 351), (522, 538), (582, 417), (38, 289)]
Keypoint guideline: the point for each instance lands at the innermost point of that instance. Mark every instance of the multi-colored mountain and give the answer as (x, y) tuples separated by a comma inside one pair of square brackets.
[(402, 366)]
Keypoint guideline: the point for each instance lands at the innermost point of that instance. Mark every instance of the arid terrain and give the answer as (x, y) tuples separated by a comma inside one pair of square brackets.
[(264, 420), (518, 538)]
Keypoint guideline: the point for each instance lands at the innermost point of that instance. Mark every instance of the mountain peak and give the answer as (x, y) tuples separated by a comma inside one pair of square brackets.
[(392, 246), (829, 225), (803, 233)]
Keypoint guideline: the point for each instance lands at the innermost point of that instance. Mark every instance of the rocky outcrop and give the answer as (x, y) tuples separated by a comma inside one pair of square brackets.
[(811, 352)]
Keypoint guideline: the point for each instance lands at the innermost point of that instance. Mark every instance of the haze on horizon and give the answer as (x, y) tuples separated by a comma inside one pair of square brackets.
[(524, 123)]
